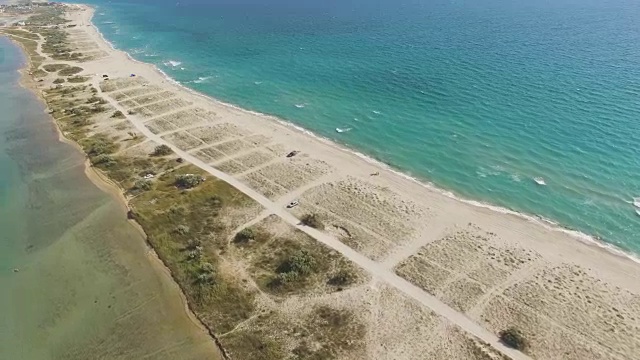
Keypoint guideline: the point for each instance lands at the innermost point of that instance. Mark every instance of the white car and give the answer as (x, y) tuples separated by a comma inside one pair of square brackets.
[(293, 204)]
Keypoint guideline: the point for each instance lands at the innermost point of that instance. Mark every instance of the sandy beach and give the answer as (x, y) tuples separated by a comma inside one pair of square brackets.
[(435, 267)]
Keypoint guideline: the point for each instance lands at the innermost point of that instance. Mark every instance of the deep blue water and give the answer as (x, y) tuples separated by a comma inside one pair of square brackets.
[(479, 97)]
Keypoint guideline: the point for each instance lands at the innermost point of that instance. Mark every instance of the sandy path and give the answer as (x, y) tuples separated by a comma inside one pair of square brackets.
[(375, 269)]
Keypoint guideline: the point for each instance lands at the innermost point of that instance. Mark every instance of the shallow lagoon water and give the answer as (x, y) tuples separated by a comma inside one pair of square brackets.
[(87, 287)]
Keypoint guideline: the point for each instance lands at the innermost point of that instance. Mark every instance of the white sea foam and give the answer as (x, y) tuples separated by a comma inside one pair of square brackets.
[(202, 79), (540, 181), (257, 82), (342, 130), (636, 202), (172, 63), (546, 223), (300, 106), (376, 112)]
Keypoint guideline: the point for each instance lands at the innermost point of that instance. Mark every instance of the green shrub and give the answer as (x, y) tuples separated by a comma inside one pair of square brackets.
[(188, 181), (312, 220), (70, 71), (194, 247), (301, 262), (194, 244), (513, 338), (58, 81), (96, 99), (102, 159), (118, 115), (54, 67), (162, 150), (142, 185), (99, 145), (294, 268), (194, 255), (182, 229), (342, 278), (245, 235), (78, 79), (205, 274), (284, 279)]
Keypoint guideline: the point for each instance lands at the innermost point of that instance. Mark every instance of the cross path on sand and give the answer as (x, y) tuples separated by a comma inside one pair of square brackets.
[(374, 268)]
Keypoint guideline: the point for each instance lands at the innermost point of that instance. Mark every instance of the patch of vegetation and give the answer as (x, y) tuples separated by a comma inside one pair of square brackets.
[(98, 145), (255, 343), (182, 229), (335, 332), (102, 159), (513, 338), (58, 81), (79, 79), (342, 278), (54, 67), (47, 16), (166, 213), (96, 99), (205, 274), (70, 71), (188, 181), (245, 235), (292, 262), (86, 110), (142, 185), (127, 170), (22, 34), (38, 73), (161, 150), (312, 220), (293, 269), (118, 115), (300, 263)]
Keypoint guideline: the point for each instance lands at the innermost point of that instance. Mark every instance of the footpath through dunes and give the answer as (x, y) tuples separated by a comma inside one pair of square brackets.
[(339, 275)]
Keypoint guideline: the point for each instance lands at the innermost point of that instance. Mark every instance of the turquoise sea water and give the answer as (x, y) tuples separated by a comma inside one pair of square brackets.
[(479, 97)]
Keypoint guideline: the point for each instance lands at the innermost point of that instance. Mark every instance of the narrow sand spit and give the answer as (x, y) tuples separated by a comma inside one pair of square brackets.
[(440, 278)]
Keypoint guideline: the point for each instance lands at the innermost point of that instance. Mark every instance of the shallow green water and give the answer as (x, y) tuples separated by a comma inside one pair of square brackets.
[(86, 288)]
